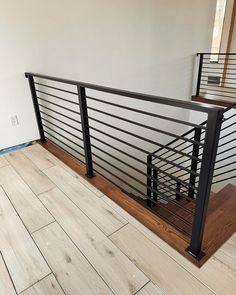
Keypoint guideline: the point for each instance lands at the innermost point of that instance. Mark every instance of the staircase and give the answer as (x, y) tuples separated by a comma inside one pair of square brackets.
[(220, 221)]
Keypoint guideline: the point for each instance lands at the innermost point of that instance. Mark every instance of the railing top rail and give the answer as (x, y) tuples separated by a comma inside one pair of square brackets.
[(215, 53), (196, 106)]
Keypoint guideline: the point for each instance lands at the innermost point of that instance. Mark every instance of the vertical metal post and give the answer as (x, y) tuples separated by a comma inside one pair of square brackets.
[(155, 176), (149, 180), (178, 188), (199, 79), (85, 130), (194, 164), (207, 169), (36, 107)]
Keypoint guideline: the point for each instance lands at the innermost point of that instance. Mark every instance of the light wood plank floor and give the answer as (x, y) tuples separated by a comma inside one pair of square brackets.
[(60, 235)]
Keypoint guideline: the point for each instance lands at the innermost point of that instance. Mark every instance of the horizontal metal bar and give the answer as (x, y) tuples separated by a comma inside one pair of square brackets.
[(232, 106), (57, 105), (140, 125), (121, 161), (134, 188), (216, 53), (220, 63), (147, 113), (174, 191), (217, 68), (230, 117), (183, 194), (219, 59), (120, 170), (178, 170), (126, 164), (226, 165), (184, 188), (58, 97), (225, 143), (228, 178), (178, 166), (151, 98), (228, 82), (148, 208), (225, 172), (226, 158), (76, 121), (181, 153), (120, 140), (174, 177), (163, 159), (119, 150), (139, 137), (55, 88), (175, 159), (72, 134), (71, 141), (226, 78), (65, 145), (227, 150), (229, 126), (61, 121), (228, 134), (185, 134)]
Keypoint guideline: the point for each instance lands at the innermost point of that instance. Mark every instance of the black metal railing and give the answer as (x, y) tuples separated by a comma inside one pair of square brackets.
[(226, 155), (178, 178), (114, 132), (217, 76)]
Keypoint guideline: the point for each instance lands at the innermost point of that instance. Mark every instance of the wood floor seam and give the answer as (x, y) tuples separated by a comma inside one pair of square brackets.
[(43, 227), (168, 256), (8, 271), (123, 256), (37, 196), (118, 229), (66, 194), (174, 261), (35, 283), (142, 287), (82, 254), (31, 236)]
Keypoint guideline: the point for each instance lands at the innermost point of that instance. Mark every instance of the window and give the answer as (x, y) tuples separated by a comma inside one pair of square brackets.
[(218, 27)]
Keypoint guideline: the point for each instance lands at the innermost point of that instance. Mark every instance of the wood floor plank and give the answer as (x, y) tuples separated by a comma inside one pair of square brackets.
[(35, 178), (3, 161), (72, 270), (150, 289), (170, 277), (24, 261), (227, 253), (28, 206), (96, 209), (208, 274), (44, 160), (6, 286), (47, 286), (121, 275), (39, 157)]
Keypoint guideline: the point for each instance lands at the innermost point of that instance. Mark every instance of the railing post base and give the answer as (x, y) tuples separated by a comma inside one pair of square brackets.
[(198, 256), (90, 175)]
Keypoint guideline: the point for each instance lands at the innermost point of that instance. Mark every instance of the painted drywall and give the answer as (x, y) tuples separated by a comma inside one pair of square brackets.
[(145, 46)]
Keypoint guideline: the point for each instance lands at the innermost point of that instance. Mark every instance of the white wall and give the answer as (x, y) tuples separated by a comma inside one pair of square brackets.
[(145, 46)]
